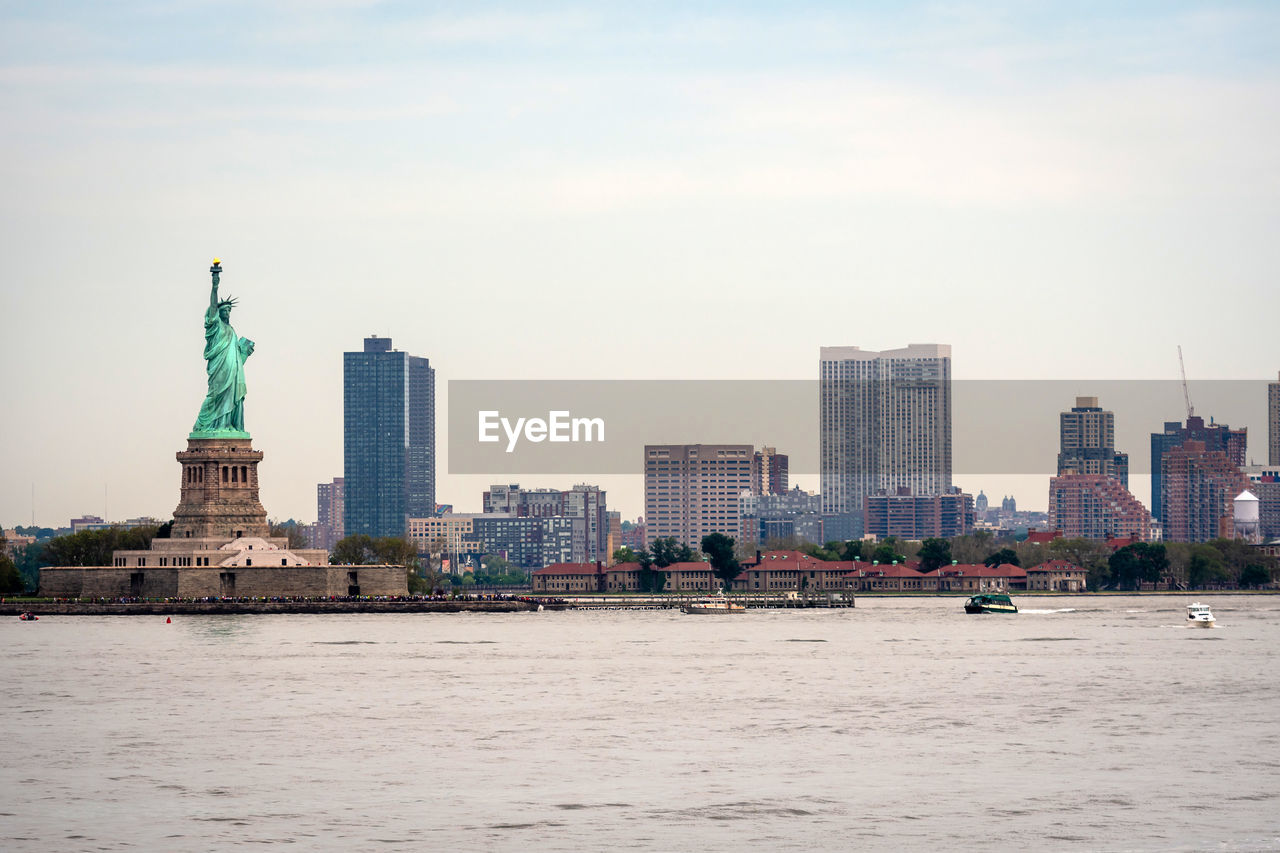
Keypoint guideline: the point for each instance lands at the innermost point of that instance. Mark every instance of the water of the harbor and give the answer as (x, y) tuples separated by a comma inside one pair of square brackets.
[(1090, 723)]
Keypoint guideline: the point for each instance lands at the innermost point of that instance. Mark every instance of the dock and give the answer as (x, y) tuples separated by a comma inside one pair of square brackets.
[(673, 601)]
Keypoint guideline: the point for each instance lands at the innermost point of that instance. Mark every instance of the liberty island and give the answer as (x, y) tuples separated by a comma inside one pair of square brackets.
[(220, 544)]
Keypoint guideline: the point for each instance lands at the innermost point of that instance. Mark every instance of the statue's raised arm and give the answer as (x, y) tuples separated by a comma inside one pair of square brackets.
[(216, 270), (222, 413)]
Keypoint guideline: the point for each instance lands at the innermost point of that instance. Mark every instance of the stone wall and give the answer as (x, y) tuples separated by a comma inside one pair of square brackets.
[(212, 582)]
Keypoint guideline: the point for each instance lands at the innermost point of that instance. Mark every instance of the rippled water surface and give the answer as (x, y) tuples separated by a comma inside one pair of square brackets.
[(1081, 723)]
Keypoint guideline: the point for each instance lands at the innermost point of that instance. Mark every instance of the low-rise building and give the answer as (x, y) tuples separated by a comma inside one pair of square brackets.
[(975, 578), (787, 571), (569, 578), (894, 577), (1056, 576)]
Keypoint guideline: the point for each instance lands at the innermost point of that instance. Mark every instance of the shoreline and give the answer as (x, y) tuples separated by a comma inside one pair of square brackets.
[(226, 608), (525, 604)]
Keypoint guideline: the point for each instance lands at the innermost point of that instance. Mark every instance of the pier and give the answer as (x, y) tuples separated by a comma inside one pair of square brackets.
[(751, 601)]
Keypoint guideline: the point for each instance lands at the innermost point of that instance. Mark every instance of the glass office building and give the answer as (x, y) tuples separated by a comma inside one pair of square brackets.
[(389, 439)]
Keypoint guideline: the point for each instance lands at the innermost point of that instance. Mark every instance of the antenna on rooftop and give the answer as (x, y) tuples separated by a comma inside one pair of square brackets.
[(1186, 395)]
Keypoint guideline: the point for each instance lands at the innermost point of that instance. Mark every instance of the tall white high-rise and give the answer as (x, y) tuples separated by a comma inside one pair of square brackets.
[(885, 424)]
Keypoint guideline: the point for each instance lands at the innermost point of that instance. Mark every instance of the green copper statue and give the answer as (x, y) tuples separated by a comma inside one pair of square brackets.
[(222, 414)]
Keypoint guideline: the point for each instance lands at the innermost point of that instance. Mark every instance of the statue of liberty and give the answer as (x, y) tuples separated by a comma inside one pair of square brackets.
[(222, 413)]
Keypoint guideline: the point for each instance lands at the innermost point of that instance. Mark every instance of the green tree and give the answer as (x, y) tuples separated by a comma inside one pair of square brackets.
[(888, 551), (934, 554), (719, 551), (973, 547), (10, 577), (95, 547), (1206, 567), (1084, 553), (1254, 576), (1238, 555), (362, 550), (666, 551), (852, 550), (626, 554), (353, 550), (29, 562), (289, 530), (1001, 557), (649, 579), (1137, 563), (819, 552)]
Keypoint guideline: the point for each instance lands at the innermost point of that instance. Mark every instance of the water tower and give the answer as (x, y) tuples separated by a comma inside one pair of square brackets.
[(1246, 517)]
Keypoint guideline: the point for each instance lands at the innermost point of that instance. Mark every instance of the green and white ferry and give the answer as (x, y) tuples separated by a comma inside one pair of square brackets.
[(990, 602)]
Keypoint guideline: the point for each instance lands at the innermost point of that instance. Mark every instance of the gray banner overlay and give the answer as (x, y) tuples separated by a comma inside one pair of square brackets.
[(998, 426)]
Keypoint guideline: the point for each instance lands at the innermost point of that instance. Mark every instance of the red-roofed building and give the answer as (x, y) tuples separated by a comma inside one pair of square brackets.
[(681, 577), (785, 571), (886, 578), (975, 578), (569, 577), (690, 577), (1056, 576), (1042, 537)]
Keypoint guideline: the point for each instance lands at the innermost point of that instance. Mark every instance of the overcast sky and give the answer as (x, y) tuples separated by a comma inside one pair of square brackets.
[(631, 190)]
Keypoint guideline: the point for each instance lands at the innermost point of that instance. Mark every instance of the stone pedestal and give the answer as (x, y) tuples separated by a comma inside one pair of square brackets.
[(219, 491)]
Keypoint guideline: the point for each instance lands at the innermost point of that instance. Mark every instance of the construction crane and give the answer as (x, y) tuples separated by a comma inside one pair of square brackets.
[(1186, 395)]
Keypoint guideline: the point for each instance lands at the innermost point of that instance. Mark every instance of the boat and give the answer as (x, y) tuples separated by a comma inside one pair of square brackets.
[(712, 604), (990, 602), (1199, 616), (28, 617)]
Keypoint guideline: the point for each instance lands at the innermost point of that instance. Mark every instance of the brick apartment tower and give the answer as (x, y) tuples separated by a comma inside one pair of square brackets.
[(770, 472), (1095, 506), (1220, 437), (1199, 486), (1087, 442), (1273, 423)]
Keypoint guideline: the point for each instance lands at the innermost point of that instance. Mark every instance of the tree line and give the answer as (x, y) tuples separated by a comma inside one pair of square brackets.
[(1221, 563), (717, 549)]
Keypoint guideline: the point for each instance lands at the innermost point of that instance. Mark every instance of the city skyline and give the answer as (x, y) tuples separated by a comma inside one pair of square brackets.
[(951, 167), (1246, 403)]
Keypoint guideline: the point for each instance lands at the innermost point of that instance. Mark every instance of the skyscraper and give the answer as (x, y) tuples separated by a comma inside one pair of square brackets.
[(1095, 506), (769, 472), (885, 424), (1221, 437), (1273, 423), (330, 512), (389, 439), (691, 490), (1199, 487), (1087, 439)]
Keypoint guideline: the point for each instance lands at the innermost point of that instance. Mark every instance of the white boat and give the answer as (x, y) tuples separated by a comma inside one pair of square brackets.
[(713, 604), (1199, 616)]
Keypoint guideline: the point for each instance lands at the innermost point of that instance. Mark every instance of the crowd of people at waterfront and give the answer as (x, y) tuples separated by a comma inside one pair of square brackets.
[(298, 599)]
